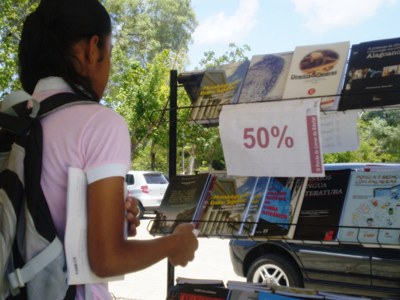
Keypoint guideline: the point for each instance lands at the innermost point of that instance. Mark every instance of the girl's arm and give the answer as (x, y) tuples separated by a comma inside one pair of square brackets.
[(110, 253)]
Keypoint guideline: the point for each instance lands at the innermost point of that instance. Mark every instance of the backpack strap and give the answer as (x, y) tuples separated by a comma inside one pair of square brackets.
[(21, 276), (61, 100)]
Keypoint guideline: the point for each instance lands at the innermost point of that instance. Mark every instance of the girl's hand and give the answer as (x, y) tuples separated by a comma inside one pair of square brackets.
[(132, 211)]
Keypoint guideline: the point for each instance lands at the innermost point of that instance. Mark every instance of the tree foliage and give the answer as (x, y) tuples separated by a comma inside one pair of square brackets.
[(10, 29), (145, 28)]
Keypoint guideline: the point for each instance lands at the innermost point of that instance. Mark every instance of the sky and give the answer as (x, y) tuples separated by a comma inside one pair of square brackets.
[(273, 26)]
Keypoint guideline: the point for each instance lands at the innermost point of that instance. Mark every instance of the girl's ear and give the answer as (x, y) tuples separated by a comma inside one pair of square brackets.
[(93, 54)]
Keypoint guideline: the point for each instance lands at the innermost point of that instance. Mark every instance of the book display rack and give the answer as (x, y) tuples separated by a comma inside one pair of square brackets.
[(316, 224)]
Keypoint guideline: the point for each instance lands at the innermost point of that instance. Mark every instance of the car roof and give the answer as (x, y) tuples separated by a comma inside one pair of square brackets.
[(144, 172), (354, 166)]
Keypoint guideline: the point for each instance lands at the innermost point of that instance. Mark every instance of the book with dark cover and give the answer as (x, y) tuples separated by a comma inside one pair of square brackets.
[(373, 75), (181, 201), (198, 291), (281, 207), (322, 206)]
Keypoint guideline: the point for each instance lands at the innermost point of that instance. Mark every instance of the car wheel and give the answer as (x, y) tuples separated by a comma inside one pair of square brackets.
[(141, 210), (274, 270)]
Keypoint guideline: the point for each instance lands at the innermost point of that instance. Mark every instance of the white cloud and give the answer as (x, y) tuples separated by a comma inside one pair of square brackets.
[(323, 15), (221, 28)]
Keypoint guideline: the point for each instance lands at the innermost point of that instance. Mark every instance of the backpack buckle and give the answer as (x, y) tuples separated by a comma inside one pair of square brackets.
[(16, 279)]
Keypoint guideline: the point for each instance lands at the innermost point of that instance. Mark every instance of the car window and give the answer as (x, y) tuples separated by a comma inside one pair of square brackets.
[(130, 179), (155, 178)]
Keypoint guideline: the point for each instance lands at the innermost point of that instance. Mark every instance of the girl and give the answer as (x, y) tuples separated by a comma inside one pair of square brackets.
[(66, 47)]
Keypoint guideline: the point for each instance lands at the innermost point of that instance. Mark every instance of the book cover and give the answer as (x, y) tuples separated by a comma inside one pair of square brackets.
[(371, 211), (219, 85), (188, 291), (297, 293), (322, 206), (239, 290), (75, 240), (317, 71), (373, 75), (281, 207), (253, 207), (266, 77), (223, 213), (262, 295), (180, 202)]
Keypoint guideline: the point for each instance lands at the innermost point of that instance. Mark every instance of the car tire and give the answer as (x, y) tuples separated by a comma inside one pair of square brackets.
[(141, 210), (274, 269)]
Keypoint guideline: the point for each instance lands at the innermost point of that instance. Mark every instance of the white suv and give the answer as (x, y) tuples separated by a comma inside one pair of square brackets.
[(148, 186)]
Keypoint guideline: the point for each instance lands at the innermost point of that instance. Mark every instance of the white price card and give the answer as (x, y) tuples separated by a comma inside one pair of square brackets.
[(278, 139), (339, 131)]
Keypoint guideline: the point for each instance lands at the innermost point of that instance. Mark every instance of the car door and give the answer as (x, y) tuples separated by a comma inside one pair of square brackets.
[(335, 264), (385, 266)]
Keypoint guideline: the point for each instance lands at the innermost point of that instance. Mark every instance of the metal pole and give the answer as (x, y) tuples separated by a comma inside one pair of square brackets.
[(173, 104)]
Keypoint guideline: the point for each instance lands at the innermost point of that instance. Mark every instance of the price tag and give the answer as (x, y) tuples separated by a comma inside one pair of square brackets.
[(278, 139), (338, 131)]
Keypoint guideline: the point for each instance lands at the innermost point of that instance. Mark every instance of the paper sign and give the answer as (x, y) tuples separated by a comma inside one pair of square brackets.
[(339, 131), (272, 138)]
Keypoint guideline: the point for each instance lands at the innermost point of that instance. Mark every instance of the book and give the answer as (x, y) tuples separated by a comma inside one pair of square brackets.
[(181, 202), (198, 289), (246, 290), (239, 290), (188, 291), (253, 207), (373, 75), (208, 281), (223, 213), (371, 211), (281, 207), (212, 88), (75, 240), (318, 71), (266, 77), (322, 206), (297, 293), (269, 296)]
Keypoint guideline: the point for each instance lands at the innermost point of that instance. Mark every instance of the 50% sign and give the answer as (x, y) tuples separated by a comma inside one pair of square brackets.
[(272, 139), (263, 137)]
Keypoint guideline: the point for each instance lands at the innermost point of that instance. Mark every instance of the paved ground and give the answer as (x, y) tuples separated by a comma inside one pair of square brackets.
[(211, 262)]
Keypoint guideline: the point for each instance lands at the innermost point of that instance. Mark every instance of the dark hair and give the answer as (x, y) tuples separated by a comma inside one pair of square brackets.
[(47, 38)]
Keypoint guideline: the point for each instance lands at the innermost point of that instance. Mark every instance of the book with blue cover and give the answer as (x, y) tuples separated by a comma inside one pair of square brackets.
[(281, 207)]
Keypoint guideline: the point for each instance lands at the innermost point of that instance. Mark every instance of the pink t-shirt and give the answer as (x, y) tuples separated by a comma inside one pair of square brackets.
[(91, 137)]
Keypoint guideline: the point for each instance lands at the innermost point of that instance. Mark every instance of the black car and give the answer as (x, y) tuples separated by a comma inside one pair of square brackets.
[(347, 269), (350, 269)]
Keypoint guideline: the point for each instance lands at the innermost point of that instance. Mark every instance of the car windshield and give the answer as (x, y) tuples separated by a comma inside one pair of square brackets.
[(155, 178)]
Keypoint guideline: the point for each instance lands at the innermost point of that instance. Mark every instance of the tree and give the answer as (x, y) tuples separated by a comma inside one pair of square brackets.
[(150, 37), (144, 28), (10, 28)]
